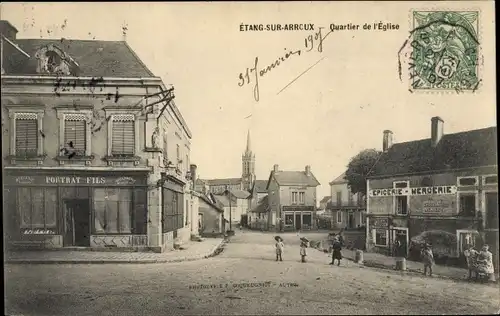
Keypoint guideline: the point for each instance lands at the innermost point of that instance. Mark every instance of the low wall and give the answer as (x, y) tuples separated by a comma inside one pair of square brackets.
[(37, 241), (118, 241)]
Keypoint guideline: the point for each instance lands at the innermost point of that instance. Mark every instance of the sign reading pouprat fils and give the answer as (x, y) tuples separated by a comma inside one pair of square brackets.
[(74, 180), (438, 190)]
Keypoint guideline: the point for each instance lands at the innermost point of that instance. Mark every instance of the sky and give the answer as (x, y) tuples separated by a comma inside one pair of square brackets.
[(340, 106)]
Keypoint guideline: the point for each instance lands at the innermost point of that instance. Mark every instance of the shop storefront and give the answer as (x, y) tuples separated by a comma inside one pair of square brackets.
[(298, 217), (173, 217), (75, 209)]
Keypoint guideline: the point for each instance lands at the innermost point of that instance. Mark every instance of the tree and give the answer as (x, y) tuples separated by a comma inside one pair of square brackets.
[(358, 169)]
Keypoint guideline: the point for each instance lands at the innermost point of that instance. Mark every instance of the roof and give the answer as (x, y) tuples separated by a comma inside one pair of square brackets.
[(210, 203), (325, 199), (339, 179), (262, 206), (94, 58), (240, 194), (222, 200), (229, 181), (199, 182), (284, 178), (260, 186), (469, 149)]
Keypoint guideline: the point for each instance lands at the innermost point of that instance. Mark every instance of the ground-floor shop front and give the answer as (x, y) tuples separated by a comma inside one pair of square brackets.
[(297, 218), (75, 209)]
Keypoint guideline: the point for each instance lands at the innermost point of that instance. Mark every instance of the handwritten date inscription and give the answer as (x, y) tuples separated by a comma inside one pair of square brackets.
[(313, 41)]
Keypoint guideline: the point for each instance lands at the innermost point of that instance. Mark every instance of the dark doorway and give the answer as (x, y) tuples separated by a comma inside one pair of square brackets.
[(350, 220), (77, 230), (298, 221)]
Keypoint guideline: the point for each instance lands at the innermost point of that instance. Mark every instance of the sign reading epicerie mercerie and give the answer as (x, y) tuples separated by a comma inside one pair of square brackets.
[(440, 190), (71, 180)]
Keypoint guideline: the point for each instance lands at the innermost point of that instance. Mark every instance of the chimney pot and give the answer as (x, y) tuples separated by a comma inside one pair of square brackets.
[(308, 170), (387, 140), (275, 168), (437, 130)]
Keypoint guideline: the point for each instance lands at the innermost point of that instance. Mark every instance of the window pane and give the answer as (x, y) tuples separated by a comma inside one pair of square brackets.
[(111, 217), (467, 181), (50, 207), (24, 205), (124, 217), (99, 210), (37, 215)]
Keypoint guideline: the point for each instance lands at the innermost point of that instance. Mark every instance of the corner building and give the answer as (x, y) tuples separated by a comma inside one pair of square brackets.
[(128, 185)]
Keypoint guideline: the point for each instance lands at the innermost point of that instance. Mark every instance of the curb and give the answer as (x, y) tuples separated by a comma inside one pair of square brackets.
[(212, 253)]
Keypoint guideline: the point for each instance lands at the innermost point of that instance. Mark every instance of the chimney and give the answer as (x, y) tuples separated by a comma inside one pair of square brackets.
[(308, 170), (192, 171), (8, 30), (387, 140), (437, 124), (275, 168)]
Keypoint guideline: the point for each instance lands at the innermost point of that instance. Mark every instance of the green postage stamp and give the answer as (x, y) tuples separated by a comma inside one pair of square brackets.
[(444, 50)]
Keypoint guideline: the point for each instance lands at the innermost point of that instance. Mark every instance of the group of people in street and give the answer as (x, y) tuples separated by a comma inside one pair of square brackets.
[(480, 263), (337, 242)]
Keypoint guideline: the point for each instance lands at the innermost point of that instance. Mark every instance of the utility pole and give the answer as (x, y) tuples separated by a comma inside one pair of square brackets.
[(230, 209)]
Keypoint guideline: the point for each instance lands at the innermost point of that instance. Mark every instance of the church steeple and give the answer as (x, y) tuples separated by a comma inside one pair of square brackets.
[(248, 165), (249, 148)]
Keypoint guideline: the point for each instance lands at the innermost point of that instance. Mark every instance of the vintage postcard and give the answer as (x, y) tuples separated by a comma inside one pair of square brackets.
[(250, 158)]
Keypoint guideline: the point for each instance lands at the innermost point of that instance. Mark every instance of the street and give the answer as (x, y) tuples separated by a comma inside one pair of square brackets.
[(243, 279)]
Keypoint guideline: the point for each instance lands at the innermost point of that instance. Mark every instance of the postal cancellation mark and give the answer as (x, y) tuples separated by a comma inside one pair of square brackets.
[(444, 50)]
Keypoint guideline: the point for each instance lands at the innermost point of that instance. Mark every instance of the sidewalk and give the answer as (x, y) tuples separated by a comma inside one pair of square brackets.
[(377, 260), (191, 251)]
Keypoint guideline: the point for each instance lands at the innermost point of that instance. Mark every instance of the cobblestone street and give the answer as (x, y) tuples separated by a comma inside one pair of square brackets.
[(244, 279)]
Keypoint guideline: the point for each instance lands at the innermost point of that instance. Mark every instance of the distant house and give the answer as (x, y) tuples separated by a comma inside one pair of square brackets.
[(442, 190), (348, 210), (235, 204), (321, 210), (292, 199), (211, 216), (258, 216)]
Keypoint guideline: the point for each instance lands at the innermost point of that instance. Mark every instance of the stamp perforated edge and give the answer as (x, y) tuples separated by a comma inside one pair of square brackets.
[(480, 57)]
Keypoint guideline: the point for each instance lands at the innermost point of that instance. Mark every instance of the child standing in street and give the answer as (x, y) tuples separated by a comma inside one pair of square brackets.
[(428, 259), (304, 243), (279, 248)]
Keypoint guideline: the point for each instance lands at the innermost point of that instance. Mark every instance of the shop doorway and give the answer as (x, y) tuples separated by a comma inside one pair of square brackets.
[(77, 223), (298, 221), (400, 242), (350, 220)]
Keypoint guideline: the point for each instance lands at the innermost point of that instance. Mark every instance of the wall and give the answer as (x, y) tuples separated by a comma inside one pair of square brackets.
[(343, 188), (286, 194), (237, 210), (212, 223), (274, 193)]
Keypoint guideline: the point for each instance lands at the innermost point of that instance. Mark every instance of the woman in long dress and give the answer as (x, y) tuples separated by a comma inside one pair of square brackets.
[(337, 252), (485, 263)]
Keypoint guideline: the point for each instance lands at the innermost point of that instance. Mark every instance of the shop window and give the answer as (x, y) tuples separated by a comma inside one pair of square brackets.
[(467, 181), (380, 237), (173, 211), (302, 197), (493, 179), (37, 207), (113, 210), (289, 219), (307, 219), (363, 218), (26, 134), (402, 205), (123, 135), (339, 216), (467, 204)]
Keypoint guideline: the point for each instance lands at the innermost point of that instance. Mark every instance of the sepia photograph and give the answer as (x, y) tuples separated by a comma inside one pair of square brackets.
[(249, 158)]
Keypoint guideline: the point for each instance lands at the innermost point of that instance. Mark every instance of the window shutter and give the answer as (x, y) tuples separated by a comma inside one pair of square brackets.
[(26, 134), (75, 131), (123, 136)]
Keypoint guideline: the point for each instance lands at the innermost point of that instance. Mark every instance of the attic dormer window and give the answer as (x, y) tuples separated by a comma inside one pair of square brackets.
[(53, 60)]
